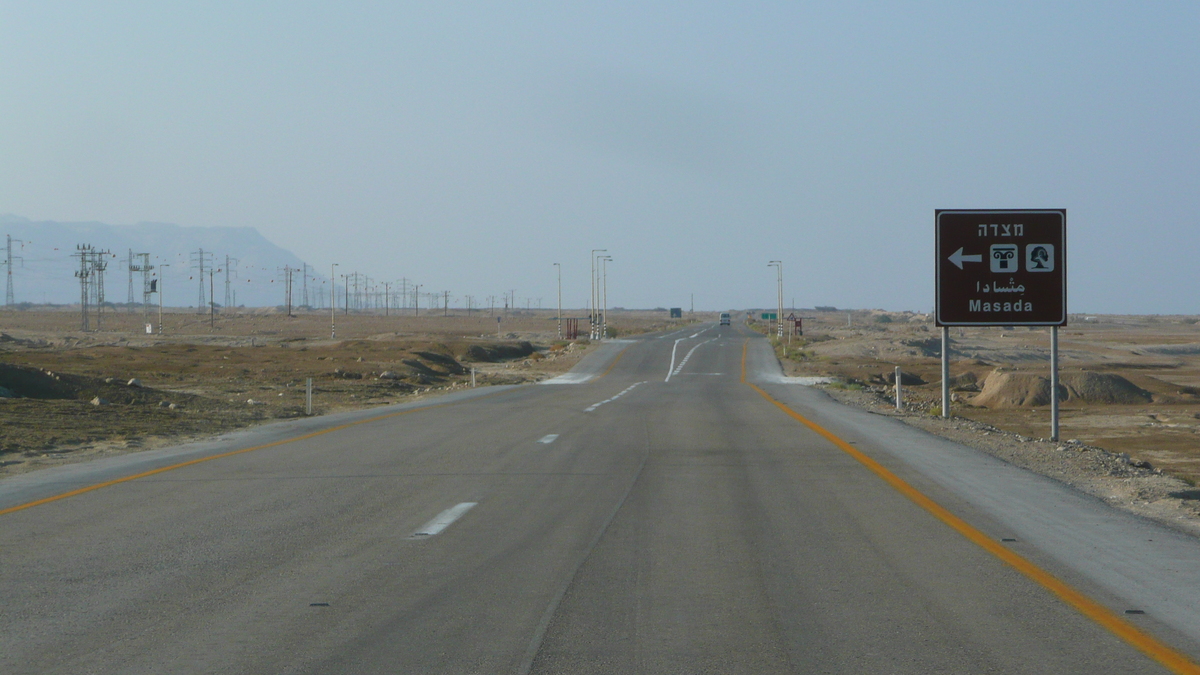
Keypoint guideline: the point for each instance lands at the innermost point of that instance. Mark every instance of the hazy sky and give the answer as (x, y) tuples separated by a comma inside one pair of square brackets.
[(470, 146)]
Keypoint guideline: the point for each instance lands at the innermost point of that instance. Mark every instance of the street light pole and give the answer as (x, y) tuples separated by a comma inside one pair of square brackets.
[(778, 265), (780, 315), (593, 300), (559, 300), (604, 260), (333, 301)]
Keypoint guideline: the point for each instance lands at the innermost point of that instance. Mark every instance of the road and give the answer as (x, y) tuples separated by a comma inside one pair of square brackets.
[(672, 506)]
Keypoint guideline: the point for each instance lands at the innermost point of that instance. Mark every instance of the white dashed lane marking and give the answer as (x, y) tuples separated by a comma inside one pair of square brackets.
[(626, 391), (443, 520), (548, 439)]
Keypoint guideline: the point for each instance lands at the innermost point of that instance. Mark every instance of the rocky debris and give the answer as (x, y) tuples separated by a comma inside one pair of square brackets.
[(134, 383), (346, 374), (906, 379), (927, 347), (99, 401), (389, 375), (251, 401)]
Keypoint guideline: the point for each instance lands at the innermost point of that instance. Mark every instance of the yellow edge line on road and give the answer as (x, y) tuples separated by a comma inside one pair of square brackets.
[(1174, 660), (201, 460), (614, 363)]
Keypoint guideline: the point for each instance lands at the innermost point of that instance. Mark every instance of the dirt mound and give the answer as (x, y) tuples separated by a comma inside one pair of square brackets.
[(497, 352), (1007, 389), (35, 383), (1104, 388)]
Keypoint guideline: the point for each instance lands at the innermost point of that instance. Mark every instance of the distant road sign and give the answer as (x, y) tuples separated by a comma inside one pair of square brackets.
[(769, 316), (1001, 267)]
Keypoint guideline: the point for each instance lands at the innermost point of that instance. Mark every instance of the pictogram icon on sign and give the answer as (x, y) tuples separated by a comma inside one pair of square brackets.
[(1003, 258), (1039, 258)]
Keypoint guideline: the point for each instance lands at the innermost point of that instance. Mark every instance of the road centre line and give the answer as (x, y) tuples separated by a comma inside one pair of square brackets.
[(674, 370), (628, 389), (671, 368), (201, 460), (548, 439), (1172, 659), (444, 519)]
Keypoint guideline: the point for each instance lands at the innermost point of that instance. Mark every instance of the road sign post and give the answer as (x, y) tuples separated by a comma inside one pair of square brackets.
[(1001, 268)]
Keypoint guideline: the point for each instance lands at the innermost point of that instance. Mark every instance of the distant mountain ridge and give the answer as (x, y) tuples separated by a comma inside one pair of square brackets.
[(44, 264)]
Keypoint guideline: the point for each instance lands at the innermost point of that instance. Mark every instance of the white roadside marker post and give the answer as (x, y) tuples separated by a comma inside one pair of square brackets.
[(308, 398), (899, 394)]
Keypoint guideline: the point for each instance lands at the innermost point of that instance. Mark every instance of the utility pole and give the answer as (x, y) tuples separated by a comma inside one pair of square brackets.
[(333, 301), (129, 266), (212, 306), (386, 297), (559, 300), (99, 265), (161, 274), (446, 303), (304, 284), (230, 296), (417, 299), (202, 260), (287, 287), (147, 288), (8, 262), (84, 274)]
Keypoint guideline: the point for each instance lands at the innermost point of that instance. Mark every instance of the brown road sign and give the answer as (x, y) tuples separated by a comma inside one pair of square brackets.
[(1001, 267)]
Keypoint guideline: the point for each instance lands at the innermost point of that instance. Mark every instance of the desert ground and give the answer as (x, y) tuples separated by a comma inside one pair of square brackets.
[(68, 395)]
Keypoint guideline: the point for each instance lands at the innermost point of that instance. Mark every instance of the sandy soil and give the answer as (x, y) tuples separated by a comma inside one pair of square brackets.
[(70, 397)]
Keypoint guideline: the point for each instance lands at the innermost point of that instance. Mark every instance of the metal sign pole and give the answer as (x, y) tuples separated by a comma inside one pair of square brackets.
[(1054, 383), (945, 372)]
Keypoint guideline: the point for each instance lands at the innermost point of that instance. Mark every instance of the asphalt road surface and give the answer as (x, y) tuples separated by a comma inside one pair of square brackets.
[(672, 506)]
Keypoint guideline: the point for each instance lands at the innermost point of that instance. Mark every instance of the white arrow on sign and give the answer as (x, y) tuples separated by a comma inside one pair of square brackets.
[(958, 258)]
